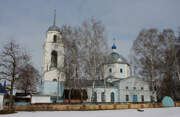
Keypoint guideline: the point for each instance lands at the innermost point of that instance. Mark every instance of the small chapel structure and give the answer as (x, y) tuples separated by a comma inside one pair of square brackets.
[(119, 86)]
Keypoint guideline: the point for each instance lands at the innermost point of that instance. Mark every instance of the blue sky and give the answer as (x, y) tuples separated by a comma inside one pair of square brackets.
[(27, 21)]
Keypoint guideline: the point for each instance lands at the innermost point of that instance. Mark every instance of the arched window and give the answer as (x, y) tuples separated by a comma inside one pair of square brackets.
[(142, 98), (94, 97), (54, 80), (54, 38), (112, 96), (121, 70), (102, 97), (127, 98), (54, 59), (110, 70)]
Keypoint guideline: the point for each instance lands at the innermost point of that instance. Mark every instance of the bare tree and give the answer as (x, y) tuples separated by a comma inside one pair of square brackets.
[(28, 80), (94, 49), (11, 60), (72, 58), (85, 48), (146, 56), (169, 66), (155, 58)]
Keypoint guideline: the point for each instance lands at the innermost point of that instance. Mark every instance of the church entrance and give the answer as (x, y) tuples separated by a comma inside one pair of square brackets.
[(134, 98), (112, 97)]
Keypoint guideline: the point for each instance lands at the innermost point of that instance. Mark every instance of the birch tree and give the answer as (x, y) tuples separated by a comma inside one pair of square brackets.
[(146, 56), (94, 47), (155, 58)]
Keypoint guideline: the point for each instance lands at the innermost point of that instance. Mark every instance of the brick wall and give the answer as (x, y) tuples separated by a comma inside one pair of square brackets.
[(47, 107)]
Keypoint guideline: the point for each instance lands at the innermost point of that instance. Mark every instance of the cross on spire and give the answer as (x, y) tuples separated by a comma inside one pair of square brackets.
[(114, 40)]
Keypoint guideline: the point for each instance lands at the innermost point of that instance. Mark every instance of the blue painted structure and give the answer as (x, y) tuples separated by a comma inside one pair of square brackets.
[(51, 88), (3, 89), (167, 101), (21, 103), (135, 98)]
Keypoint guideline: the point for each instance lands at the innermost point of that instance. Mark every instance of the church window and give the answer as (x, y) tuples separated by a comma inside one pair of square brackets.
[(127, 97), (102, 97), (54, 38), (94, 97), (152, 98), (54, 80), (127, 87), (142, 88), (134, 88), (54, 59), (112, 96), (110, 70), (142, 98), (121, 70)]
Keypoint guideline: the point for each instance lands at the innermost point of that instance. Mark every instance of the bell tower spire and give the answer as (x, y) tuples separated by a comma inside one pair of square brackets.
[(54, 23), (54, 27)]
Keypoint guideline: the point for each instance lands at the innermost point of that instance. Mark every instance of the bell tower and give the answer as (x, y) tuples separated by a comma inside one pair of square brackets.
[(53, 61)]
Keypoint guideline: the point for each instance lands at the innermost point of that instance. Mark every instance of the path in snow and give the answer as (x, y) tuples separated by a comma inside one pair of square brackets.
[(148, 112)]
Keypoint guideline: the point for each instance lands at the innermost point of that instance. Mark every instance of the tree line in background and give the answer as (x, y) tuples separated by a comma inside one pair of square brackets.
[(155, 57)]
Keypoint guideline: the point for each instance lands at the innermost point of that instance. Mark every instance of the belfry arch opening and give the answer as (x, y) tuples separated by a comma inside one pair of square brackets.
[(54, 38), (54, 58)]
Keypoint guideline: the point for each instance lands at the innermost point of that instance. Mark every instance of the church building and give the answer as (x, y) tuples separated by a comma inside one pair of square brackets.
[(53, 62), (117, 86)]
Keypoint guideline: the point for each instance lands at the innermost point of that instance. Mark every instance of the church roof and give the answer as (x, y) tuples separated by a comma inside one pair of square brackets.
[(54, 27), (130, 78), (88, 83), (114, 57)]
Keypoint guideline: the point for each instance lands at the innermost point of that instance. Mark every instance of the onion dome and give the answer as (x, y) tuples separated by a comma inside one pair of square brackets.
[(114, 46), (115, 57)]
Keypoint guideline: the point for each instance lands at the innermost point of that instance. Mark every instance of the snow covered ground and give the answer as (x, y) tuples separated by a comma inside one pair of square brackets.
[(148, 112)]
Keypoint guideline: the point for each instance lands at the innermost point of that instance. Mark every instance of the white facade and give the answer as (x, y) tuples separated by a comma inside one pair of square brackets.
[(40, 99), (1, 101), (53, 43), (117, 70), (53, 63), (107, 92), (134, 87), (131, 89), (126, 88)]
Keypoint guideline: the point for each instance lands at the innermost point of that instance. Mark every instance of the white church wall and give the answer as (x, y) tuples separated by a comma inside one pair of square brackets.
[(40, 99), (99, 91), (130, 93), (116, 70), (134, 86), (49, 46), (1, 101)]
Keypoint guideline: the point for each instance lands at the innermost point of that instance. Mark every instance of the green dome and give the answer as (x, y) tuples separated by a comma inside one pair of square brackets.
[(54, 28), (114, 57)]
